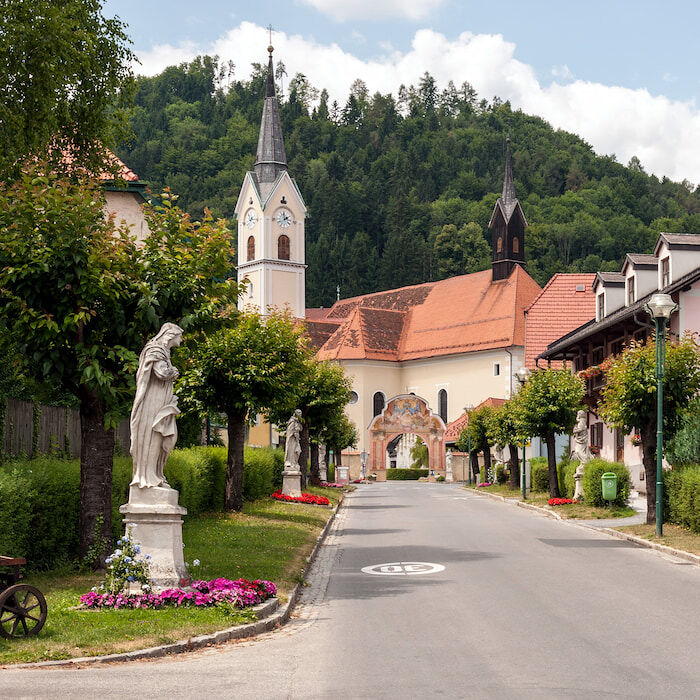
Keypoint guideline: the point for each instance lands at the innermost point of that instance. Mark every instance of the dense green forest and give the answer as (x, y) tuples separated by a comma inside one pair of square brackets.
[(400, 189)]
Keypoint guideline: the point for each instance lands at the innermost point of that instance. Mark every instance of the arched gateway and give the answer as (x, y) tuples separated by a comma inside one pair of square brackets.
[(406, 413)]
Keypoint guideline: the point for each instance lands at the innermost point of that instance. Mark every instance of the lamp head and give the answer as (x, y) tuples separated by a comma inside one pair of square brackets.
[(661, 306), (523, 374)]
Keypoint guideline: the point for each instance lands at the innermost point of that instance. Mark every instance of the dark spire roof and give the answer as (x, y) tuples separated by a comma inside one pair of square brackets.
[(508, 195), (508, 203), (270, 159)]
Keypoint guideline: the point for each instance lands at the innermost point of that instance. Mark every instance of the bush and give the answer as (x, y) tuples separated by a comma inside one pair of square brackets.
[(684, 447), (539, 474), (501, 474), (565, 475), (682, 497), (40, 498), (405, 474), (593, 485)]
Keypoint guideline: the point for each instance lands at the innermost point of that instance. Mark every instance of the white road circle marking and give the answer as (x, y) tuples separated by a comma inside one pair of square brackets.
[(403, 568)]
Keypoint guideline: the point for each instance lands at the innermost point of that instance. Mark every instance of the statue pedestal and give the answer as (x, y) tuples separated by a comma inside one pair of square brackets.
[(448, 474), (154, 520), (291, 482), (323, 473)]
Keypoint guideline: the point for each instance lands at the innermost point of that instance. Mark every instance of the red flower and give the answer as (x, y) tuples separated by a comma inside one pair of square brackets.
[(559, 501), (309, 498)]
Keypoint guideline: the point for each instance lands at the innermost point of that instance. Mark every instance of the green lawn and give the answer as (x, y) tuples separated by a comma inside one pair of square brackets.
[(269, 540)]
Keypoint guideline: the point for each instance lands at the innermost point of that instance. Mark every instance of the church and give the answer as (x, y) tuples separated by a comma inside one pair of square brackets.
[(417, 355)]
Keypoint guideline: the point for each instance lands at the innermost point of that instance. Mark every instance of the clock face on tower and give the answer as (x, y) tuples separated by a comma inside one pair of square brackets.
[(284, 218), (250, 219)]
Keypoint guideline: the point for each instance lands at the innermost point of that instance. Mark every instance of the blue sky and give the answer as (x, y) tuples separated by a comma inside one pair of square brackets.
[(621, 74)]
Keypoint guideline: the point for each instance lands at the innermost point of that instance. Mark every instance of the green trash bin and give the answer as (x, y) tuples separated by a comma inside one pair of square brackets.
[(609, 480)]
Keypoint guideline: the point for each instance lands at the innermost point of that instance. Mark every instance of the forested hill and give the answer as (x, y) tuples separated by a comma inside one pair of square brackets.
[(400, 188)]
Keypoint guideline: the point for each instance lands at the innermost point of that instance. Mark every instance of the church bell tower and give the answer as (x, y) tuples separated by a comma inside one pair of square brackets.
[(507, 226), (271, 212)]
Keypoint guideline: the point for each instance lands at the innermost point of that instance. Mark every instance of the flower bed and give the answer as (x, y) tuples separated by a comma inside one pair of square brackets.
[(560, 501), (484, 484), (220, 591), (331, 485), (309, 498)]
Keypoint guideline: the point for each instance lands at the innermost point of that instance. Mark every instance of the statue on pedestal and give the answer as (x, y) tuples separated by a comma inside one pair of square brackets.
[(322, 463), (291, 476), (153, 427), (448, 466), (580, 452), (152, 515)]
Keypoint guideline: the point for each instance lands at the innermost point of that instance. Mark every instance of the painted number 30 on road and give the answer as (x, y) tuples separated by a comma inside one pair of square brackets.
[(403, 568)]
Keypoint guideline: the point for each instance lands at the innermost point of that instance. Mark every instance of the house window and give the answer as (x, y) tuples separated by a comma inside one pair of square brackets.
[(601, 307), (597, 434), (354, 398), (499, 245), (251, 247), (283, 247), (378, 402), (617, 346), (496, 369), (516, 245), (665, 272), (630, 291), (250, 289), (597, 356), (442, 404)]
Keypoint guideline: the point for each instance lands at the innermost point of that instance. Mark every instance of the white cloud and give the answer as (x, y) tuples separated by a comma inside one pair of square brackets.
[(343, 10), (562, 72), (664, 134)]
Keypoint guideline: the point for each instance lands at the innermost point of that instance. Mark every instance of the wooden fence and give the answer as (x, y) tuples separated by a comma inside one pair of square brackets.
[(57, 430)]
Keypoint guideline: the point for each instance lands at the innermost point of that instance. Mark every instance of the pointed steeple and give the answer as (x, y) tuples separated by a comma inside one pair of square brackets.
[(508, 196), (271, 158)]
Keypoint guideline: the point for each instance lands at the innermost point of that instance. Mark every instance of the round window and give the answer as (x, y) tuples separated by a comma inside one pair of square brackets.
[(354, 398)]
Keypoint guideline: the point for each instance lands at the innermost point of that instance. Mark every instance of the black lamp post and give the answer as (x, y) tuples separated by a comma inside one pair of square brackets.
[(522, 375), (660, 308), (468, 409)]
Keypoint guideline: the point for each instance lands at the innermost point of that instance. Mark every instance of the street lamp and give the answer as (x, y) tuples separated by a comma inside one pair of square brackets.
[(522, 375), (467, 409), (660, 308)]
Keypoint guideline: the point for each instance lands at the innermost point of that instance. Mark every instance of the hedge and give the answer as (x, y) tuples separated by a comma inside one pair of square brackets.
[(40, 498), (405, 474), (682, 497), (593, 485), (539, 474)]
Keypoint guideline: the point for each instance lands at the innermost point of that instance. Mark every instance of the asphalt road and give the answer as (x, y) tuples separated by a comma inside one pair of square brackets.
[(525, 607)]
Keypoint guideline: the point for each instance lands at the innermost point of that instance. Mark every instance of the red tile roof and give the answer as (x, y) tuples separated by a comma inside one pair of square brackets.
[(558, 309), (455, 428), (117, 170), (460, 314), (319, 331)]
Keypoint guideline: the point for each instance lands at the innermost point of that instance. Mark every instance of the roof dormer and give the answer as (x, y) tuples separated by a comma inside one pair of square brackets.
[(678, 254), (609, 290), (641, 276)]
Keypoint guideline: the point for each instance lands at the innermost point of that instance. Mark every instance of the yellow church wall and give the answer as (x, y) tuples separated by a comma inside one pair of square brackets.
[(251, 296), (283, 288)]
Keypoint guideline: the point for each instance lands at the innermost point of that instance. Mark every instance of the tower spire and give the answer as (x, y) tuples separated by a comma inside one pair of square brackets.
[(271, 158), (508, 195)]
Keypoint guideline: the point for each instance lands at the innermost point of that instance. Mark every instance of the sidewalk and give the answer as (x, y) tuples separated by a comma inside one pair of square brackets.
[(636, 501)]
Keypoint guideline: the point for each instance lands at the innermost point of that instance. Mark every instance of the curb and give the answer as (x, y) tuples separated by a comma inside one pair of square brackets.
[(277, 618), (665, 549)]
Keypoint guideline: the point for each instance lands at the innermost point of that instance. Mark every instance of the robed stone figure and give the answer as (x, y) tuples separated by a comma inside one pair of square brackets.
[(153, 426)]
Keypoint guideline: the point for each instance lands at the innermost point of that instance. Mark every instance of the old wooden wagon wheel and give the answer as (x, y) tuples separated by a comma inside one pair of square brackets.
[(22, 611)]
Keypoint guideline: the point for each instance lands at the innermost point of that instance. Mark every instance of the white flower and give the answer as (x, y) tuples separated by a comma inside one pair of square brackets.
[(195, 562)]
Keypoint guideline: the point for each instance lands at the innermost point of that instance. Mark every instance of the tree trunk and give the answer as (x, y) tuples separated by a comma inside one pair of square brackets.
[(233, 494), (648, 436), (474, 462), (514, 466), (487, 463), (552, 464), (96, 462), (304, 456), (315, 475)]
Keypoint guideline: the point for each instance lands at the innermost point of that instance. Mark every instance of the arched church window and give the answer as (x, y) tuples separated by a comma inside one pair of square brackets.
[(499, 244), (251, 247), (516, 245), (378, 402), (442, 404), (283, 247)]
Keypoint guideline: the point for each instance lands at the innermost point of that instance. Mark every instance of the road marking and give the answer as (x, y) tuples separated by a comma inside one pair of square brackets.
[(403, 568)]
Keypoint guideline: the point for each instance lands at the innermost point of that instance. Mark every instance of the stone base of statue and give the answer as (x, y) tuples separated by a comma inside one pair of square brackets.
[(154, 520), (448, 474), (291, 482), (323, 473)]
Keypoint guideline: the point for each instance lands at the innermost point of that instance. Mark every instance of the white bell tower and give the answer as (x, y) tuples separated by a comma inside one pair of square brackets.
[(271, 212)]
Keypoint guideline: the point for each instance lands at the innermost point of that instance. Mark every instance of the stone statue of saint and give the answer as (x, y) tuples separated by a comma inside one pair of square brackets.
[(292, 448), (153, 428), (448, 460), (579, 450)]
